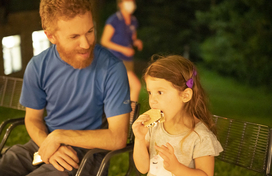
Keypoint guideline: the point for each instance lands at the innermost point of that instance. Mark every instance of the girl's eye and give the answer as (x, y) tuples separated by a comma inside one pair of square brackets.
[(73, 37), (160, 92), (149, 93)]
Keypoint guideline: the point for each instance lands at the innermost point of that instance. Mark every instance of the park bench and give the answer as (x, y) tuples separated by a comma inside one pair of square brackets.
[(246, 144)]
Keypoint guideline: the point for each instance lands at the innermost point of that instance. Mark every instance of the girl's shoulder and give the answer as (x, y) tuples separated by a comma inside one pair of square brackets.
[(202, 131), (206, 142), (200, 126)]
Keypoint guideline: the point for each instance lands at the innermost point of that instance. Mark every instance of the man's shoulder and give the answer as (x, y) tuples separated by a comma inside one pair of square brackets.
[(103, 55), (44, 55)]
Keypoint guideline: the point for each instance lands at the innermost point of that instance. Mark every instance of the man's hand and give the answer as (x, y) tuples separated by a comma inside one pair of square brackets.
[(60, 156), (64, 158), (49, 146)]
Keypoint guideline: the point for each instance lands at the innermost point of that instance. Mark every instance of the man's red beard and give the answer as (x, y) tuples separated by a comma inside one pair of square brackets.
[(70, 57)]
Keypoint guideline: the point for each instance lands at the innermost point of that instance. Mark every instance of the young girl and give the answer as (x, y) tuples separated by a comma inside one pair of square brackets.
[(185, 144), (120, 36)]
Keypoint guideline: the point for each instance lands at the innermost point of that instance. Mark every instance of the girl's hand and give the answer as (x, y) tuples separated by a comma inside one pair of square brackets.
[(170, 162), (138, 127)]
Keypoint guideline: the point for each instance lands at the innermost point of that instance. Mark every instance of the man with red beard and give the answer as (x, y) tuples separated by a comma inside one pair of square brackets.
[(82, 88)]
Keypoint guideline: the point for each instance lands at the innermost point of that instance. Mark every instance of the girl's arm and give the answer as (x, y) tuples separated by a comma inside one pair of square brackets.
[(141, 155), (106, 42), (140, 151), (204, 166)]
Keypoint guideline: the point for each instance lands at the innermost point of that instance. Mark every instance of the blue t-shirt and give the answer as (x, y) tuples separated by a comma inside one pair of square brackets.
[(123, 33), (76, 98)]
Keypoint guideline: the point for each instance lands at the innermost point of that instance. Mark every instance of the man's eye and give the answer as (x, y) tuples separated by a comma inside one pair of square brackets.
[(90, 31), (160, 92), (73, 37)]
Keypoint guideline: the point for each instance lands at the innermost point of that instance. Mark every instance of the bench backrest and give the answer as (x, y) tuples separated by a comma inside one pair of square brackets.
[(245, 144), (10, 91)]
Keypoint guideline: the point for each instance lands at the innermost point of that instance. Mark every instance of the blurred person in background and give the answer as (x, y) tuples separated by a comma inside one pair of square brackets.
[(120, 36)]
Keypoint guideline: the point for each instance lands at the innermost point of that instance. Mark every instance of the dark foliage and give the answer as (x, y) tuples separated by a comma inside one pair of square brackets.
[(240, 45)]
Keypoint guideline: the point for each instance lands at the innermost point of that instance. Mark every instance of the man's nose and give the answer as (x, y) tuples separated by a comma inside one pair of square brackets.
[(84, 42)]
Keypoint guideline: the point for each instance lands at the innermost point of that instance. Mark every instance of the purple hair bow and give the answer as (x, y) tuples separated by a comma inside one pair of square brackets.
[(190, 81)]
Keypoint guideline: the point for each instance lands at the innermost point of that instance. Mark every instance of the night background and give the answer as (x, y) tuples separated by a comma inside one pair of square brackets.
[(231, 37), (230, 41)]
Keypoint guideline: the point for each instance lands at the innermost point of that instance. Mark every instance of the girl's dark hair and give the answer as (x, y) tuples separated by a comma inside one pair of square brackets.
[(178, 70)]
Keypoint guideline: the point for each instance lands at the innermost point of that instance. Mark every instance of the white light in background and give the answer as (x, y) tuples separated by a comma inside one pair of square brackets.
[(12, 54), (40, 42)]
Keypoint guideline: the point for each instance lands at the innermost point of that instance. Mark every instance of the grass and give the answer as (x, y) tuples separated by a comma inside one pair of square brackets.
[(19, 134), (228, 98), (232, 99)]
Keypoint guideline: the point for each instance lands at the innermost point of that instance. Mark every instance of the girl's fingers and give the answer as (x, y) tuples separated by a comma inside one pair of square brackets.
[(164, 156), (170, 148), (162, 152), (141, 119), (162, 148), (144, 117)]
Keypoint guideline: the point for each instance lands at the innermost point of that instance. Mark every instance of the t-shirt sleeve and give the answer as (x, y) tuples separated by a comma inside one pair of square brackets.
[(32, 95), (111, 21), (207, 145), (117, 93)]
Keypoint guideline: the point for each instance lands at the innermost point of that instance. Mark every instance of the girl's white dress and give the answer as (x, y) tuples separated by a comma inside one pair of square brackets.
[(201, 142)]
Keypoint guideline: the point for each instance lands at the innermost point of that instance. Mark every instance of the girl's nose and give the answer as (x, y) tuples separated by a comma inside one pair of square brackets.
[(152, 99)]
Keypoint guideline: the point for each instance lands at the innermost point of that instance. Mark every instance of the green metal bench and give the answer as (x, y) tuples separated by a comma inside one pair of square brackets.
[(245, 144)]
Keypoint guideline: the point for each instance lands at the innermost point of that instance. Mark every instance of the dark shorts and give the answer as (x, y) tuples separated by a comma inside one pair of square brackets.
[(17, 161), (129, 65)]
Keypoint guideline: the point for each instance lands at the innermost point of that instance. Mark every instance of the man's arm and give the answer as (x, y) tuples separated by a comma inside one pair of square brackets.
[(37, 130), (35, 125), (115, 137)]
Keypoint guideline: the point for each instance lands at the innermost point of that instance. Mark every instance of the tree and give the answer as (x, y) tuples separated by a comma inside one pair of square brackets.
[(169, 27), (240, 44)]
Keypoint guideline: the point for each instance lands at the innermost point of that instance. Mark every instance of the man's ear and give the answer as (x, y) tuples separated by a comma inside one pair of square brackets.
[(187, 95), (50, 37)]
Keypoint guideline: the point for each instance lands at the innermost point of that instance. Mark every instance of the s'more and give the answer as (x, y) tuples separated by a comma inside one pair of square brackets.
[(156, 116)]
